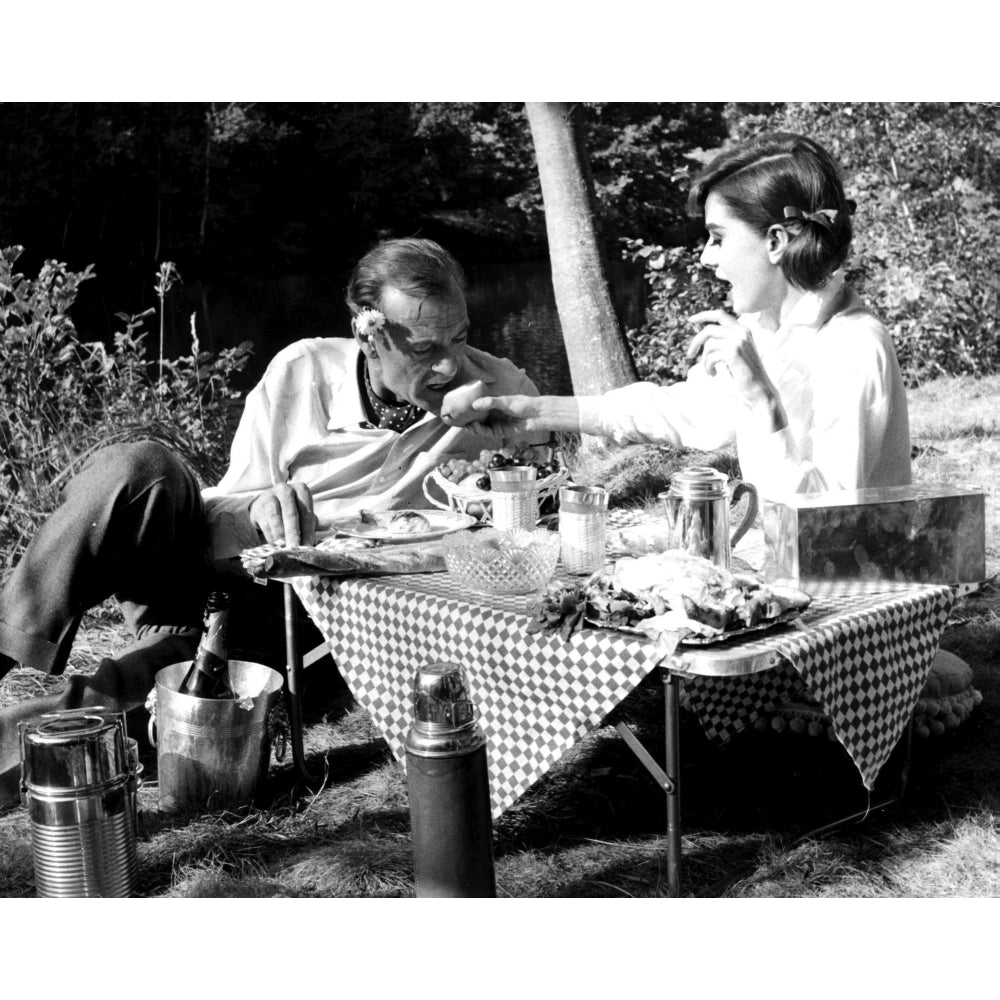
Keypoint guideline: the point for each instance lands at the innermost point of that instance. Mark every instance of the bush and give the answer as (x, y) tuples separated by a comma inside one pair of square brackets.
[(679, 287), (924, 176), (62, 399), (924, 258)]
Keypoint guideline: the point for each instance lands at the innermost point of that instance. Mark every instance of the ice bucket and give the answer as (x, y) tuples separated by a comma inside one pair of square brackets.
[(211, 753), (78, 782)]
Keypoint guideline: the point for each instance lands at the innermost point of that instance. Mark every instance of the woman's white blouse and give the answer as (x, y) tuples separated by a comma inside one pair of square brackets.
[(835, 370)]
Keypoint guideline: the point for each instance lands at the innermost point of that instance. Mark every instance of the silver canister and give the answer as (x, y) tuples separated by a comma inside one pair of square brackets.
[(514, 497), (583, 523), (79, 776), (448, 786), (696, 508)]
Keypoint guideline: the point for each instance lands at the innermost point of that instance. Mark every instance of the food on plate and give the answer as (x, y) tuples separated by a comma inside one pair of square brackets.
[(679, 589), (409, 522), (404, 522), (456, 407), (670, 592)]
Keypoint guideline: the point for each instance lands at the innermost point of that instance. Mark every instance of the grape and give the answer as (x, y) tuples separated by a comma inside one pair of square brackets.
[(483, 483)]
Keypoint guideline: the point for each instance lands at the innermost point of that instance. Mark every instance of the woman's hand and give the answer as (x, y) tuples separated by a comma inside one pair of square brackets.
[(514, 412), (519, 415), (725, 341), (284, 514)]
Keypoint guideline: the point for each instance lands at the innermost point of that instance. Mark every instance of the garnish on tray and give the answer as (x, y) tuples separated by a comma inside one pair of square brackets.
[(669, 596), (560, 609)]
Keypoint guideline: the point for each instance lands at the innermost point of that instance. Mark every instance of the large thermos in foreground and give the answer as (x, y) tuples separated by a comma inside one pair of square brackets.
[(697, 511), (79, 778), (449, 788)]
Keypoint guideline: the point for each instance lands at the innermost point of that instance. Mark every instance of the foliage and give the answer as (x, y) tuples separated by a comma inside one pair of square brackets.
[(925, 177), (61, 398), (258, 188), (678, 287), (634, 152), (637, 153)]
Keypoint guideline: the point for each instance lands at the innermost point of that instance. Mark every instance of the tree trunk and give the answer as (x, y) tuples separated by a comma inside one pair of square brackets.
[(598, 356)]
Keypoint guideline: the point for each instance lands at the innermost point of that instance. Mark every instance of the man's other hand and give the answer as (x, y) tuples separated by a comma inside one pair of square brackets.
[(284, 514)]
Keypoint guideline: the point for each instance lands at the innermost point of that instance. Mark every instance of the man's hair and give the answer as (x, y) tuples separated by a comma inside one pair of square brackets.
[(417, 267), (759, 178)]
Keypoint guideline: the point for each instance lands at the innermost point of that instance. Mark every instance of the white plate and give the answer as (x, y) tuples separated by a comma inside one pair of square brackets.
[(442, 522)]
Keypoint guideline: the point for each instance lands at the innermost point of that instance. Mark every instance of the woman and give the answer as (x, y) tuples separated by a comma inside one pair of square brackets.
[(804, 379)]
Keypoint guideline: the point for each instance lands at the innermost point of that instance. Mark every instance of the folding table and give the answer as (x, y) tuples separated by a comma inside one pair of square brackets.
[(862, 652)]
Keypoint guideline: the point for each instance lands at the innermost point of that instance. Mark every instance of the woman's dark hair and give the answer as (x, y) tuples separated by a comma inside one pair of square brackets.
[(418, 267), (761, 178)]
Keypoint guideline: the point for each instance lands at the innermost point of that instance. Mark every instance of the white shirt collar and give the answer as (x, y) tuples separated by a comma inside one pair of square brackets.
[(812, 310)]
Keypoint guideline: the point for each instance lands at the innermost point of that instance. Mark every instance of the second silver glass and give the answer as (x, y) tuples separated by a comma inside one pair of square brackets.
[(583, 520)]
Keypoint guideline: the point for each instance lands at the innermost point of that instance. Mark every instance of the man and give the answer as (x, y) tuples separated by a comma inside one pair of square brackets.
[(335, 424)]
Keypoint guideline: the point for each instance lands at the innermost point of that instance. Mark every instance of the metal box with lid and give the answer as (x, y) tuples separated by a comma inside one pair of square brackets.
[(79, 777), (924, 533)]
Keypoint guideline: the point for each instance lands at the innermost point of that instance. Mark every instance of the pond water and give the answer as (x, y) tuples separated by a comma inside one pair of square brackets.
[(511, 306)]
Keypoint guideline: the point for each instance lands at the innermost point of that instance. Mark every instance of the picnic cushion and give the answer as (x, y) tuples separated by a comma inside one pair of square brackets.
[(948, 696), (945, 702)]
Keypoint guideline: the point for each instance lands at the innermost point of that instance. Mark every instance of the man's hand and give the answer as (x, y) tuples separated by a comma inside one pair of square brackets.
[(284, 514)]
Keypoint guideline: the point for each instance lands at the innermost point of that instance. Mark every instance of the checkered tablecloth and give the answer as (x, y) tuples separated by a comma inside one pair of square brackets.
[(863, 657), (537, 695)]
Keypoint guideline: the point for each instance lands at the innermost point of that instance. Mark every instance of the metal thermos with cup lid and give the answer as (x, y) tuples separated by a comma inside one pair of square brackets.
[(448, 786)]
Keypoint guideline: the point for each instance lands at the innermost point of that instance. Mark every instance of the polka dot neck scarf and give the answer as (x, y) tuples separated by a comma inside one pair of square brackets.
[(385, 416)]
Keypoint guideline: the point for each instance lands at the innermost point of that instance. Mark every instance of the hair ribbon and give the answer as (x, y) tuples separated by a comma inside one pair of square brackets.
[(824, 216)]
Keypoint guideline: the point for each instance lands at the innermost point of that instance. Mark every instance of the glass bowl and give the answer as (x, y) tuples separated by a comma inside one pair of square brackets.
[(501, 562)]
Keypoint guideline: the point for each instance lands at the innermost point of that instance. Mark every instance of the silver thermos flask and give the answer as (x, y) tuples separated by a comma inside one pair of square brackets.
[(79, 778), (449, 790)]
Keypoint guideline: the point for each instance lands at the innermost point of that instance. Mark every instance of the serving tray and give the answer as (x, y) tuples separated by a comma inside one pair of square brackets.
[(785, 618)]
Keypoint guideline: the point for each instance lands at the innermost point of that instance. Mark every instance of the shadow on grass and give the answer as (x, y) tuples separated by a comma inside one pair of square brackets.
[(766, 800)]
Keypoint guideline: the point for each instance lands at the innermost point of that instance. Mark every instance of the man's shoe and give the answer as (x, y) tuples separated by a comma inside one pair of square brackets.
[(10, 789), (120, 684)]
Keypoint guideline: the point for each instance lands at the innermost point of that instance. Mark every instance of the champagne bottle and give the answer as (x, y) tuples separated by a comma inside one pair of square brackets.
[(208, 676)]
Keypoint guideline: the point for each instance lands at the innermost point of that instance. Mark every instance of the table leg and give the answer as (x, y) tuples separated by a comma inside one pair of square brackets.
[(294, 664), (671, 705), (669, 778)]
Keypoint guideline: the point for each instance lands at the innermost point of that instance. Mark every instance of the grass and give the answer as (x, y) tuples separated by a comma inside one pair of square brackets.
[(593, 827)]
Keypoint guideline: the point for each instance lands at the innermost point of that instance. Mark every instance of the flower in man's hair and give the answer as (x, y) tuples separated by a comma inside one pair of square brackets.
[(368, 321)]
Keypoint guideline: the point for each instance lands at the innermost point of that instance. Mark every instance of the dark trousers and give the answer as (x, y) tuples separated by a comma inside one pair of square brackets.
[(131, 525)]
